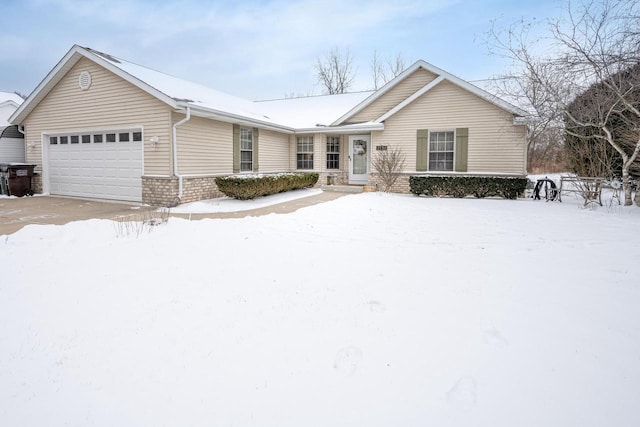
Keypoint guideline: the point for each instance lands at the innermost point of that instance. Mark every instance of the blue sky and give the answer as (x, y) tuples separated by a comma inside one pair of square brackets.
[(255, 49)]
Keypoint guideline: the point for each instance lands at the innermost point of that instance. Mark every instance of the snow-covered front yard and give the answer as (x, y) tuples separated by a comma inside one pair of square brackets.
[(371, 310)]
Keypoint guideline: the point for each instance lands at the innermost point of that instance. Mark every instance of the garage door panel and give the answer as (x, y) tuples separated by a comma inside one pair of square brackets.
[(98, 170)]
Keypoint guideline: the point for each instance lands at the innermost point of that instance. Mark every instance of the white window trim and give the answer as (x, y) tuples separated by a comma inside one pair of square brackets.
[(250, 130), (453, 165), (337, 140), (308, 140)]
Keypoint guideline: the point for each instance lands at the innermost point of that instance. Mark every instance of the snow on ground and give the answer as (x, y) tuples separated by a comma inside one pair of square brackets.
[(370, 310)]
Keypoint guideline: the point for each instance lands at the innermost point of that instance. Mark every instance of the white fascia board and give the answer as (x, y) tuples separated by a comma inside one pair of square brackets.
[(473, 89), (226, 117), (426, 88), (438, 72), (377, 94), (140, 84), (17, 115), (354, 128), (72, 57)]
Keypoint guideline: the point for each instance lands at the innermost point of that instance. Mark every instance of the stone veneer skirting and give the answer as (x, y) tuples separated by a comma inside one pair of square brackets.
[(163, 191), (400, 186), (337, 177)]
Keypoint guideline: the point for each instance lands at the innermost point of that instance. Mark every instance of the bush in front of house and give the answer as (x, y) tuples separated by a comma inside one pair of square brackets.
[(246, 187), (462, 186)]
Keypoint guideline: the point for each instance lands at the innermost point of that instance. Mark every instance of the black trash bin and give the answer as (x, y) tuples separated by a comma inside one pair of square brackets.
[(19, 179)]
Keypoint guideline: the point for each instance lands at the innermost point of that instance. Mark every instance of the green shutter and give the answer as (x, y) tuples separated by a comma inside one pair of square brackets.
[(236, 148), (462, 149), (422, 149), (256, 166)]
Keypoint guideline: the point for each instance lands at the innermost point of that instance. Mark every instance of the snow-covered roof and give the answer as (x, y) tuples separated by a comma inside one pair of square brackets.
[(8, 96), (184, 92), (311, 111), (305, 114), (9, 102)]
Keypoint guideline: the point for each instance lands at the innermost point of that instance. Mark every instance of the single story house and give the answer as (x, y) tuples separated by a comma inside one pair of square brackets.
[(11, 139), (102, 127)]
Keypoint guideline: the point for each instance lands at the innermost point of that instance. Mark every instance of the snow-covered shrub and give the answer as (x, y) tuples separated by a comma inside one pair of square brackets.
[(245, 187), (462, 186)]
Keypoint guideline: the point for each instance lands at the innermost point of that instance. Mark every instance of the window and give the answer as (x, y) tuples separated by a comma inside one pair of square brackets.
[(97, 138), (333, 152), (305, 152), (441, 151), (246, 149)]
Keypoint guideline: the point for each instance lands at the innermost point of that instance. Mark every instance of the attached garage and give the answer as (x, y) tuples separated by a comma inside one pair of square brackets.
[(102, 165)]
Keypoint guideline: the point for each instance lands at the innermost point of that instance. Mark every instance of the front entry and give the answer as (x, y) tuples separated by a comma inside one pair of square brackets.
[(359, 159)]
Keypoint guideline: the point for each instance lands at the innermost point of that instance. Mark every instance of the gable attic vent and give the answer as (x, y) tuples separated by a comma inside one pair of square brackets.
[(84, 80)]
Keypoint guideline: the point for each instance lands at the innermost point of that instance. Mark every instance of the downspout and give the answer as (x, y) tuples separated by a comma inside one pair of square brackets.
[(175, 152)]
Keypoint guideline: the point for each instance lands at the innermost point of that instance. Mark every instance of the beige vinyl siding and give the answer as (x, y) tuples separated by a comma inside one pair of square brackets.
[(205, 146), (495, 144), (273, 151), (110, 103), (393, 97)]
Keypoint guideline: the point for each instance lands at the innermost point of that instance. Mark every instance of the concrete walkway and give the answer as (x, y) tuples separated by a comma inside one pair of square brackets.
[(16, 213), (280, 208)]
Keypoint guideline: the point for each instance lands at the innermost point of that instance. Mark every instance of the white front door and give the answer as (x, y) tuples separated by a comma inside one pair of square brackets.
[(359, 149)]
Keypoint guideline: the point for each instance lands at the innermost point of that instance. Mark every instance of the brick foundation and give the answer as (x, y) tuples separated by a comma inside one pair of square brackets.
[(36, 183), (200, 188), (161, 191), (338, 177), (400, 186)]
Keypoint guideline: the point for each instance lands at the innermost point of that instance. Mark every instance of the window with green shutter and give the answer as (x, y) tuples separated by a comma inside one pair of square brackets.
[(442, 150)]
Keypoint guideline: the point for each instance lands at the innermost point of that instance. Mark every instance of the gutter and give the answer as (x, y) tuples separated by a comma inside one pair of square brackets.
[(344, 129), (175, 151), (235, 118)]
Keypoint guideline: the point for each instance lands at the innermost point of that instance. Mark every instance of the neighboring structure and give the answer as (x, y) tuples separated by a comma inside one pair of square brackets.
[(106, 128), (11, 139)]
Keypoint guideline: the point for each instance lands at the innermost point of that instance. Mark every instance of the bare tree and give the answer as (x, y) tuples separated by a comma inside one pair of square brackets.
[(530, 84), (602, 45), (335, 72), (384, 71), (376, 71), (589, 56), (388, 164)]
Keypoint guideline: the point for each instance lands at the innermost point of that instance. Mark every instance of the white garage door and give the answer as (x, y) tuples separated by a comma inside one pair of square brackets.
[(97, 165)]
